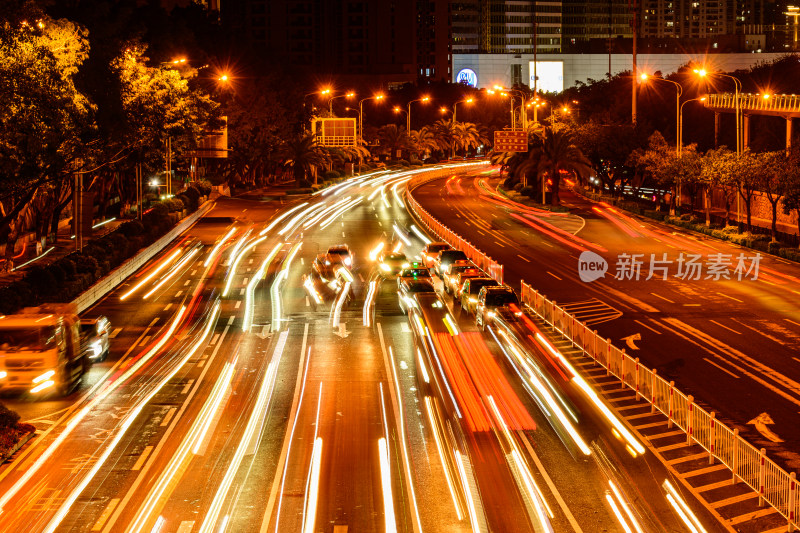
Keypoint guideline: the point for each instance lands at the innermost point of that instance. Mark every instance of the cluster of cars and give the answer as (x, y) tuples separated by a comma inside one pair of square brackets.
[(327, 266), (474, 290)]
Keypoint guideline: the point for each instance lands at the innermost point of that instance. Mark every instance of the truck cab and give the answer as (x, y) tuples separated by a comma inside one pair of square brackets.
[(41, 351)]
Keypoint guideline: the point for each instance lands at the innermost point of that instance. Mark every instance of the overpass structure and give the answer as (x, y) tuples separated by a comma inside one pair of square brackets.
[(786, 106)]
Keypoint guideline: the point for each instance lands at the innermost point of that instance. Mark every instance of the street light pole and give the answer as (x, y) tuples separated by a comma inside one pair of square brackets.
[(361, 122), (330, 101), (466, 100), (679, 87), (408, 114)]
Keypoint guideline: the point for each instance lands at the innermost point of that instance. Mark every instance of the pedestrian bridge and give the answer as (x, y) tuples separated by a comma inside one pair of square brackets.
[(781, 105), (786, 106)]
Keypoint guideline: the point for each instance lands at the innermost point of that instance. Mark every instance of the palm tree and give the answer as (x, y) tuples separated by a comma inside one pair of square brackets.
[(423, 141), (303, 156), (557, 152), (393, 139), (445, 133)]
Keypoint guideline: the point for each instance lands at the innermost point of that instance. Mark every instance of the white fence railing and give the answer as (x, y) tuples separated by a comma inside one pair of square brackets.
[(484, 262), (89, 297), (748, 464)]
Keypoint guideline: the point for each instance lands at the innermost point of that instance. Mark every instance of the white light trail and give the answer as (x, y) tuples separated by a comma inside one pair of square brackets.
[(389, 520), (296, 220), (373, 254), (70, 500), (317, 217), (337, 313), (421, 235), (339, 212), (312, 290), (249, 308), (253, 423), (173, 271), (367, 315), (447, 474), (422, 367), (473, 512), (217, 246), (150, 276), (284, 215), (625, 507), (249, 247), (276, 299), (682, 508), (401, 234), (310, 515), (618, 513)]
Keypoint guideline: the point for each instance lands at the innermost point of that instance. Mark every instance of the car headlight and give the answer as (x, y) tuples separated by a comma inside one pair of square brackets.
[(491, 314), (47, 375), (406, 265), (473, 300), (348, 261), (327, 263), (385, 267)]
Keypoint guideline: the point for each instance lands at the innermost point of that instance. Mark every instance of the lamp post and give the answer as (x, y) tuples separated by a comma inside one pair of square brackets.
[(466, 100), (361, 122), (332, 98), (737, 86), (680, 122), (522, 97), (678, 86), (408, 114)]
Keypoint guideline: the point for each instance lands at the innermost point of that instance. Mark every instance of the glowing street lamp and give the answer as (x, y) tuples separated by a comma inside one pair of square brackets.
[(737, 85), (645, 77), (330, 102), (408, 114), (465, 101)]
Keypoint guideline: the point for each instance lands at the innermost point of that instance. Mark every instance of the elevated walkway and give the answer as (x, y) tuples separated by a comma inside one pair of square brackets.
[(786, 106)]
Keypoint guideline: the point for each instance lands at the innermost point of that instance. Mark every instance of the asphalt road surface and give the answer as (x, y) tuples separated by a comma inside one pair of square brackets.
[(731, 343), (245, 393)]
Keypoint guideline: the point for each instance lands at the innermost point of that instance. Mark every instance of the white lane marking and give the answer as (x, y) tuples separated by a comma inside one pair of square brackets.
[(241, 292), (342, 234), (663, 298), (308, 304), (559, 279), (709, 361), (725, 327), (214, 339), (250, 261), (192, 273), (105, 514), (168, 416), (142, 458), (546, 244), (730, 297), (187, 386), (648, 327), (281, 467), (792, 322), (550, 484), (186, 526), (153, 323), (144, 340), (245, 281), (114, 333), (186, 283), (238, 303), (302, 262), (178, 294), (524, 258)]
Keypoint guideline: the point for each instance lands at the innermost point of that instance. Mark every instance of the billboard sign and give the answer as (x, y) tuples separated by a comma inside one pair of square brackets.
[(467, 76), (511, 141), (550, 76), (335, 132)]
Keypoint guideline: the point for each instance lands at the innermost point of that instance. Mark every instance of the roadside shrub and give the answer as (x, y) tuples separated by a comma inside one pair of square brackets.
[(8, 418), (187, 204), (432, 160), (67, 266), (403, 162), (331, 175), (177, 205), (527, 191), (517, 187), (303, 190), (41, 281), (131, 229), (773, 247), (730, 229), (303, 184), (652, 213), (792, 254)]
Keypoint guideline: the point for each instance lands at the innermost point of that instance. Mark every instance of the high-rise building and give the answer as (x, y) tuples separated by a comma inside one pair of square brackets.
[(506, 26), (389, 40), (594, 25)]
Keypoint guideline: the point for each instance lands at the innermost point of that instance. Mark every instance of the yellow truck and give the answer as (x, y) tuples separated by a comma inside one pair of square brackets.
[(42, 350)]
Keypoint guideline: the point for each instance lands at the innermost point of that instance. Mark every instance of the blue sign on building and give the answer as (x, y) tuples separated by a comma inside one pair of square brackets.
[(467, 76)]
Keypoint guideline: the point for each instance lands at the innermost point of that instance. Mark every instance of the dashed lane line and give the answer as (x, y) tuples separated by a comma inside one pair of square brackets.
[(725, 327)]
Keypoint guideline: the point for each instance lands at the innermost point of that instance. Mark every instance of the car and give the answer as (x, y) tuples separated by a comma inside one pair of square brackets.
[(430, 252), (344, 251), (391, 263), (414, 270), (470, 290), (455, 268), (95, 337), (409, 288), (489, 300), (445, 257), (461, 278), (326, 265)]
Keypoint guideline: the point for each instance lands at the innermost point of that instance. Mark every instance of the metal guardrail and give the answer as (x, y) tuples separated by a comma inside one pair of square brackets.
[(748, 464), (776, 103), (89, 297), (484, 262), (773, 484)]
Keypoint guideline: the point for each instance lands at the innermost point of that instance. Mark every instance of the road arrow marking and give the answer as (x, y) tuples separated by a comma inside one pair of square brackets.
[(630, 338), (343, 333), (761, 422), (265, 332)]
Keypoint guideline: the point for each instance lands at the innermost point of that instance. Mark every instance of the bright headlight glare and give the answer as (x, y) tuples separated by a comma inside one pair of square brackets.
[(385, 267), (46, 375)]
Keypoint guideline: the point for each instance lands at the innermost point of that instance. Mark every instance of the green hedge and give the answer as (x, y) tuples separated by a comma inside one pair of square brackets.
[(66, 278)]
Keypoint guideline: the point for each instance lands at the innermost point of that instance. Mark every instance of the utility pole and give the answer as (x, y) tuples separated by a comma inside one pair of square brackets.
[(535, 47), (635, 76)]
